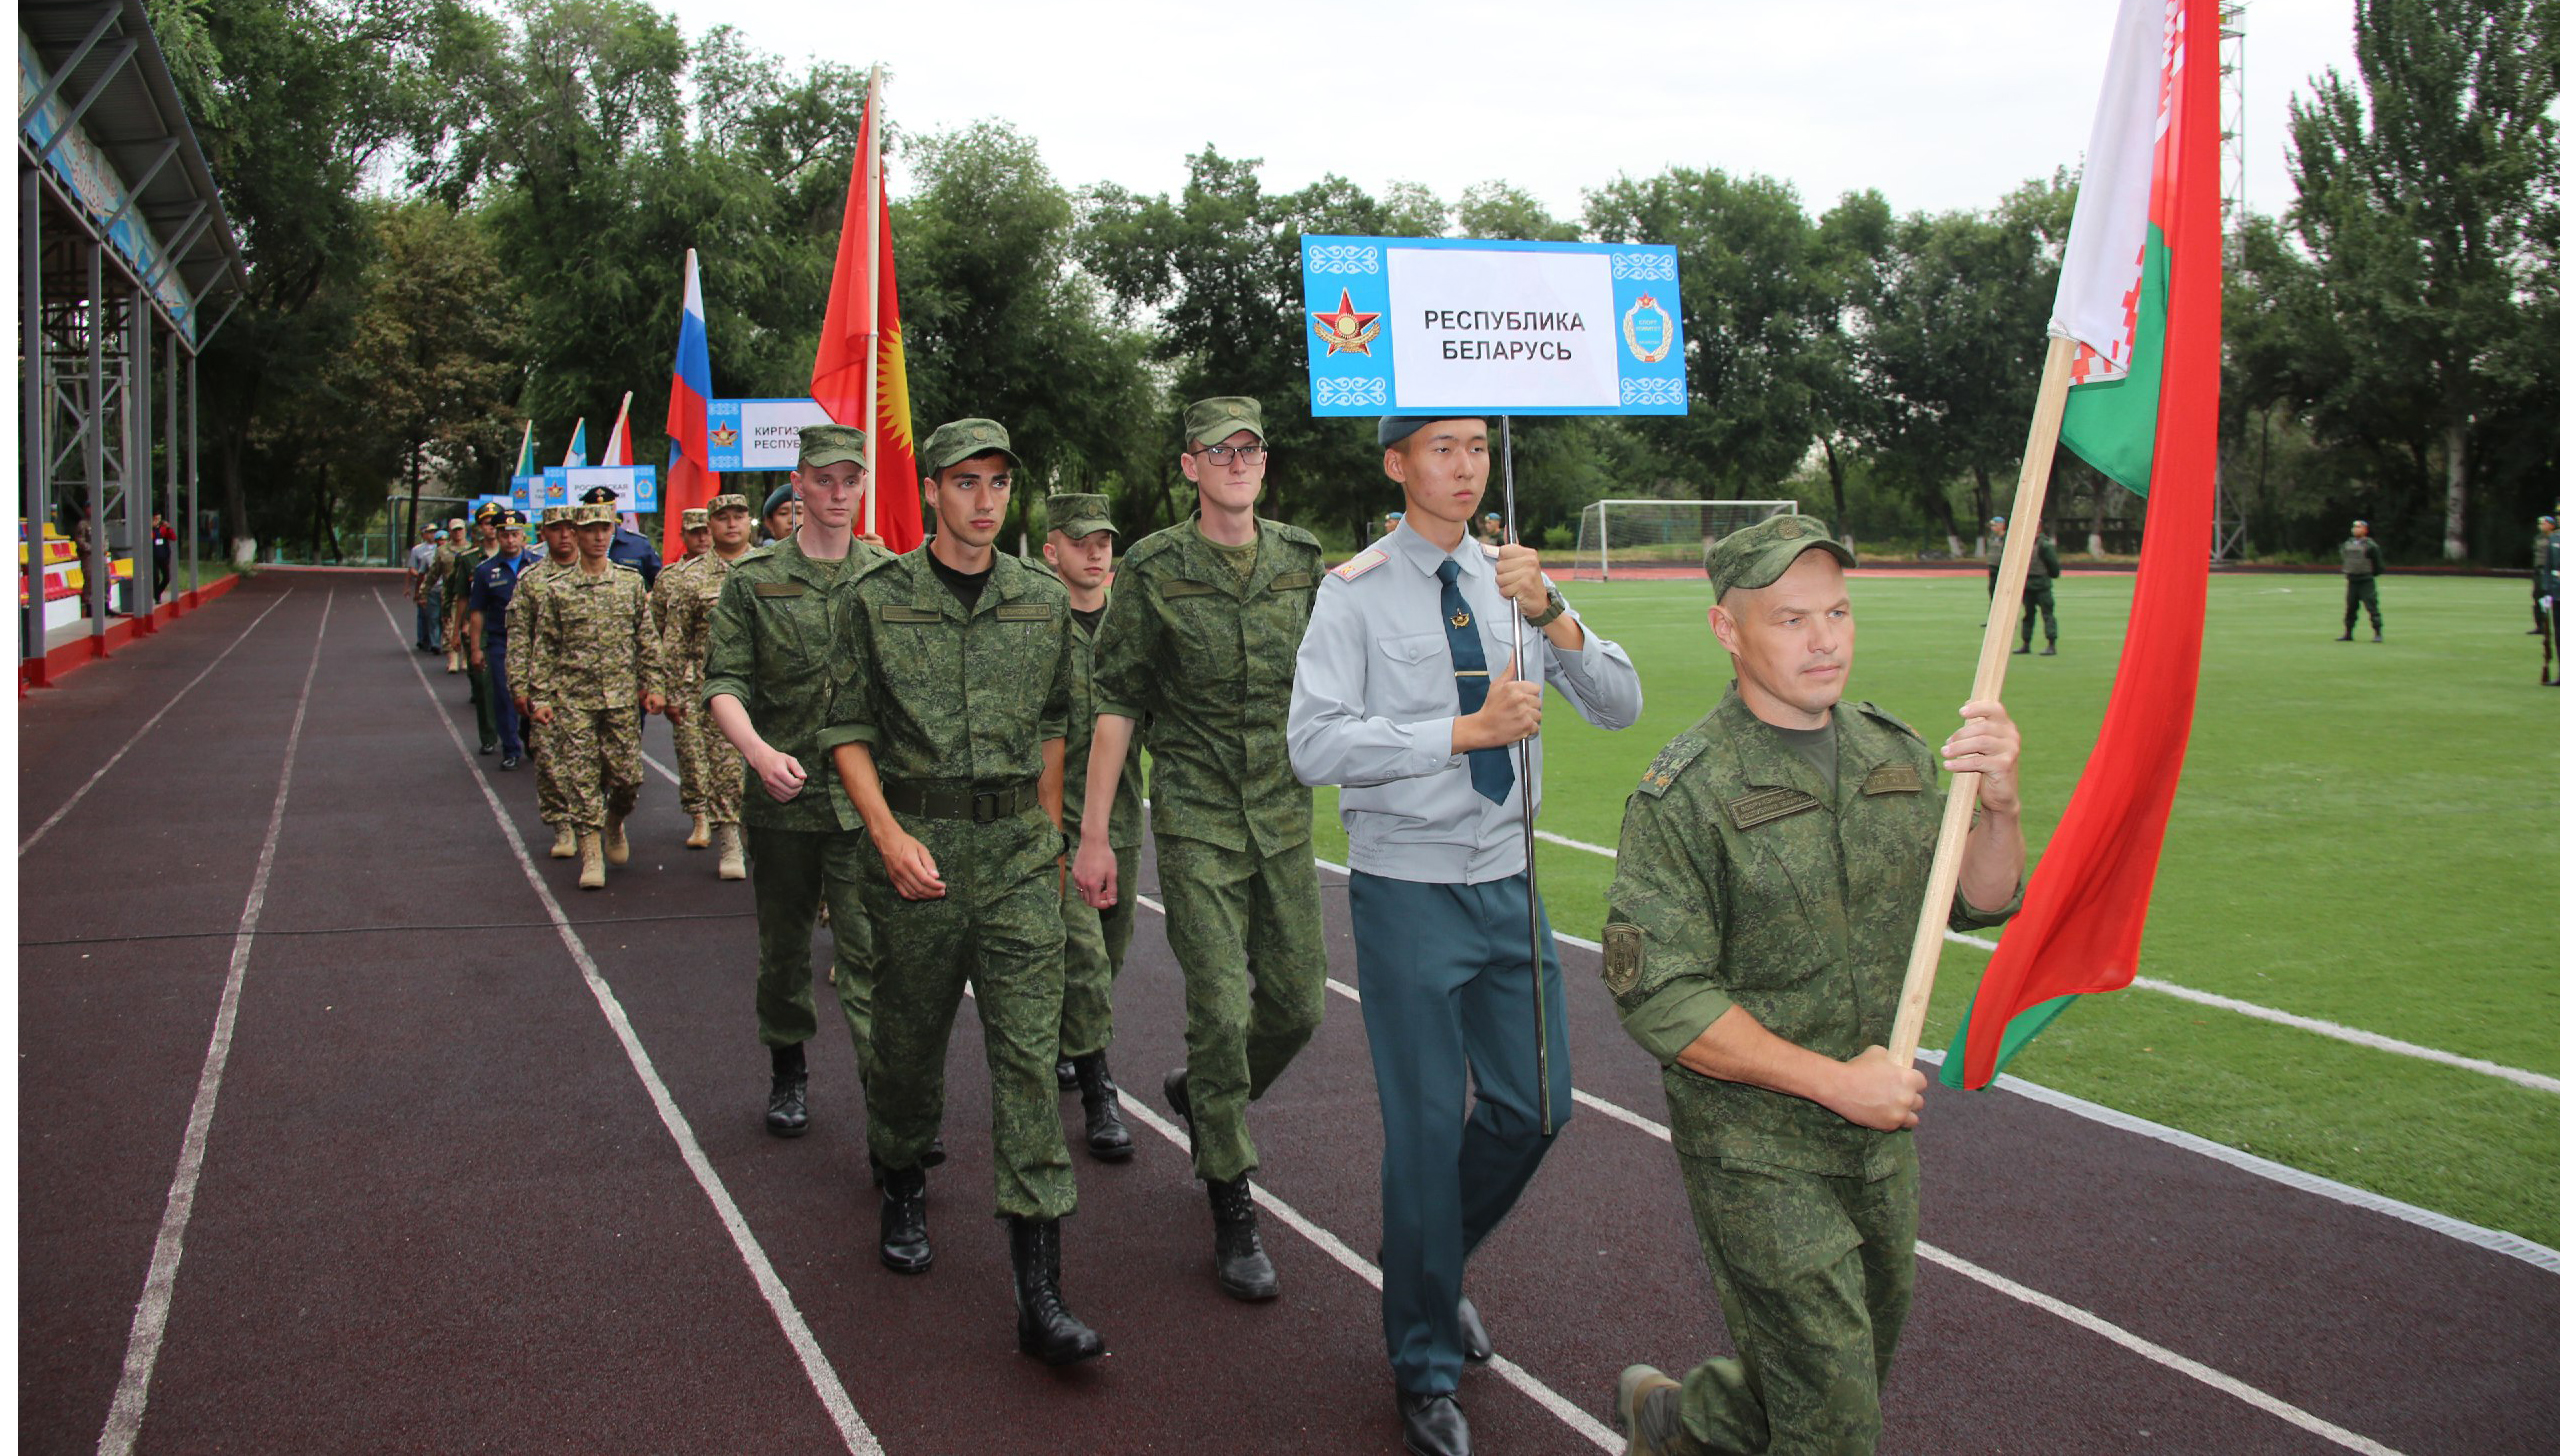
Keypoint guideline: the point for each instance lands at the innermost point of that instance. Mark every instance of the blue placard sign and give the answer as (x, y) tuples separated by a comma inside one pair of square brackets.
[(634, 487), (760, 434), (1424, 325)]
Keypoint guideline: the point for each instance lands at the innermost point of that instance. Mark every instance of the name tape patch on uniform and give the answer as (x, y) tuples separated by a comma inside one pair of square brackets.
[(1765, 805), (779, 589), (1175, 589), (1023, 612), (1894, 778), (909, 614), (1621, 956), (1366, 560), (1292, 580)]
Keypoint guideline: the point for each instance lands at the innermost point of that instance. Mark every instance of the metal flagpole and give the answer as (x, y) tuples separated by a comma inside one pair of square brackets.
[(871, 280), (1528, 811)]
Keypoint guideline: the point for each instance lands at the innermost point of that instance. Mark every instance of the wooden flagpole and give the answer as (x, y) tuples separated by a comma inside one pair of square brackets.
[(871, 276), (1990, 672)]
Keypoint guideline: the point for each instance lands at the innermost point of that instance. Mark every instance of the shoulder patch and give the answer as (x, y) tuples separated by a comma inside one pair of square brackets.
[(1764, 806), (626, 566), (1621, 956), (1890, 721), (1155, 544), (1667, 765), (1368, 560), (1299, 534)]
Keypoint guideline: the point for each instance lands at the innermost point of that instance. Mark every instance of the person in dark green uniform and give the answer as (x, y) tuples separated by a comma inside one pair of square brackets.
[(2044, 563), (1081, 538), (2361, 561), (2545, 562), (949, 734), (771, 673), (1771, 869), (1201, 644)]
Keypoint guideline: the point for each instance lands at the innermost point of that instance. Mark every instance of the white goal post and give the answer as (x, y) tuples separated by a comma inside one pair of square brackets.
[(1660, 537)]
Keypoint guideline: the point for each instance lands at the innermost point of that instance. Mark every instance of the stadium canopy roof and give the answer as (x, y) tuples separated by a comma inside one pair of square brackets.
[(107, 80)]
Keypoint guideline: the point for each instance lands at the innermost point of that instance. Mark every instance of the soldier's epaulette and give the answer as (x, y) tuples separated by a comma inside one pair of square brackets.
[(626, 566), (1299, 534), (1155, 544), (1890, 721), (1671, 762), (875, 565), (1368, 560), (1041, 565)]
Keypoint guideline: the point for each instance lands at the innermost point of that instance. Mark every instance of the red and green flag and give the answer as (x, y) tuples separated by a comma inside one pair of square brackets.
[(2141, 297)]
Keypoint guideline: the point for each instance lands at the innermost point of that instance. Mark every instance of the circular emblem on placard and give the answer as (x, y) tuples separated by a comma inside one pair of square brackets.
[(1647, 327)]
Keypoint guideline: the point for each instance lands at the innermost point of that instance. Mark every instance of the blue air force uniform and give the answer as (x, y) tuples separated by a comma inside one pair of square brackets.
[(493, 585), (1405, 637)]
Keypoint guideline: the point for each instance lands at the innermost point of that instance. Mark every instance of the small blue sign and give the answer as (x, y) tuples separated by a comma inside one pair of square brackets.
[(1462, 325), (634, 487)]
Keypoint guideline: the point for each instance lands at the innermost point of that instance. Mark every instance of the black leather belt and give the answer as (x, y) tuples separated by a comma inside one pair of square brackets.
[(977, 803)]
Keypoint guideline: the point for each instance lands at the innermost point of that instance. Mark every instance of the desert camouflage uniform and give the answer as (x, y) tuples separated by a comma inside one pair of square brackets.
[(593, 659), (955, 703), (710, 774), (524, 611), (1205, 658), (1744, 880)]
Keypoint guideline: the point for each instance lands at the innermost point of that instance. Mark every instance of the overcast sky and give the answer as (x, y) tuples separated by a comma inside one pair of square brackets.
[(1937, 103)]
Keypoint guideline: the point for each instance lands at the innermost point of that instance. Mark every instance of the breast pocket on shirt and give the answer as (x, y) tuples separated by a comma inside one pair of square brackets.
[(793, 626), (1412, 677)]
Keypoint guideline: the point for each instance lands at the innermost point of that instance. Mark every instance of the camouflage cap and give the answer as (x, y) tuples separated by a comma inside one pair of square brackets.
[(833, 445), (558, 515), (729, 501), (963, 440), (776, 499), (697, 519), (598, 494), (593, 514), (1760, 553), (457, 524), (1080, 515), (1209, 421)]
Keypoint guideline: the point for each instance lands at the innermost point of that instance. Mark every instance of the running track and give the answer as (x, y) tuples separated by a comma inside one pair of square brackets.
[(434, 1204)]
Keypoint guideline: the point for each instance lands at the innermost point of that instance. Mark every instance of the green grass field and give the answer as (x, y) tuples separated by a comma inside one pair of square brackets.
[(2365, 834)]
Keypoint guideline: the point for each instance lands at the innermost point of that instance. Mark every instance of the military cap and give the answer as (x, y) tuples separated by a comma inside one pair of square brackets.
[(1393, 428), (730, 501), (559, 515), (697, 519), (833, 444), (1209, 421), (1493, 515), (776, 499), (2545, 521), (963, 440), (457, 524), (488, 510), (432, 529), (1760, 553), (1999, 520), (2368, 525), (1396, 516), (593, 514), (508, 518), (598, 495), (1080, 515)]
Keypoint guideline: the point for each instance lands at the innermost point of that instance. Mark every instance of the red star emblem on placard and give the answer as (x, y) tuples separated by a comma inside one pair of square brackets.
[(1346, 330)]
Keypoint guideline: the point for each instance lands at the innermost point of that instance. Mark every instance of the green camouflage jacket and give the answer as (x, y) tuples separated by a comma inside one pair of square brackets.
[(1741, 882), (1206, 660), (776, 639), (1128, 824), (680, 610)]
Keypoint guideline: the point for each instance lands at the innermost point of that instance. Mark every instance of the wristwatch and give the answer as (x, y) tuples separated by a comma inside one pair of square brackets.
[(1555, 609)]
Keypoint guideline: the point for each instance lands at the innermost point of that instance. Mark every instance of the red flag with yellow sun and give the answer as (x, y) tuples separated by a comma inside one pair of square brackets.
[(862, 314)]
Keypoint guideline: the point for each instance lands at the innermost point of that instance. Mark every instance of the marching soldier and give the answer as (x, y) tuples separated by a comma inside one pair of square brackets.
[(1771, 869), (696, 533), (630, 548), (2545, 562), (1201, 644), (493, 587), (441, 578), (595, 672), (484, 545), (781, 515), (707, 767), (950, 733), (2360, 560), (1081, 538), (774, 660), (560, 547)]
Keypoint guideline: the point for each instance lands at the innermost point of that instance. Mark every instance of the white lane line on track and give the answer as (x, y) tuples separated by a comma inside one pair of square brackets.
[(1315, 1233), (2229, 1385), (777, 1295), (2354, 1036), (150, 723), (159, 1285)]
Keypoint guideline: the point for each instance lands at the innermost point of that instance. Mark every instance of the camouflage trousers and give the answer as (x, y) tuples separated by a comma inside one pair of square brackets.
[(2036, 598), (710, 776), (1815, 1274), (793, 872), (552, 800), (597, 761), (1097, 942), (996, 931), (1249, 932)]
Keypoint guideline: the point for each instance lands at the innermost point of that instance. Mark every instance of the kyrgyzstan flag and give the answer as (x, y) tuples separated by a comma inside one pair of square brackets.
[(2141, 295), (862, 306), (691, 482)]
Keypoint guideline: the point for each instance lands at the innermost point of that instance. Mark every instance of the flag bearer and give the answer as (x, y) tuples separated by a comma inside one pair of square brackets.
[(560, 547), (594, 672), (1771, 869), (1200, 644), (2360, 559), (775, 662), (1408, 697), (950, 734)]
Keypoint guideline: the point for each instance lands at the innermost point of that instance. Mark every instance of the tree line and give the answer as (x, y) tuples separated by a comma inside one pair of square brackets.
[(458, 219)]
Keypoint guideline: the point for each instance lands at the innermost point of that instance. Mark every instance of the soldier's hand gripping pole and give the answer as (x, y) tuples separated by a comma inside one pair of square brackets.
[(1528, 812)]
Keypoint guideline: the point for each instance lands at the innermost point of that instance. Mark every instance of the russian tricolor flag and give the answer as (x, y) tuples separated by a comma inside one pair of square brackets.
[(691, 483)]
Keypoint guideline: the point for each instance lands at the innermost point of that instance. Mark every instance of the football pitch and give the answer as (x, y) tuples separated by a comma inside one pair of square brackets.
[(2365, 835)]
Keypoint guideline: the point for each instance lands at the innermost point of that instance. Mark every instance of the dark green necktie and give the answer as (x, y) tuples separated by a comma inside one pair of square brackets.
[(1489, 768)]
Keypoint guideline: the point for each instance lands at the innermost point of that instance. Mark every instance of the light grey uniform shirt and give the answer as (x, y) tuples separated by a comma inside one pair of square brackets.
[(1377, 695)]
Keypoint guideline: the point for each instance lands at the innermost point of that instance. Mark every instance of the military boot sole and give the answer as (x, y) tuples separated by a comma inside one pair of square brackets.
[(1650, 1423)]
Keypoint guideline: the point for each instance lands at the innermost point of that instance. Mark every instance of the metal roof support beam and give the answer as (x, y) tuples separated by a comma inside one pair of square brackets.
[(98, 32), (125, 50), (178, 246), (207, 336), (133, 192)]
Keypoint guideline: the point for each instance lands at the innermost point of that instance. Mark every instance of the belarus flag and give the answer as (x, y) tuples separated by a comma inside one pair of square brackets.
[(862, 305), (2141, 295), (691, 482)]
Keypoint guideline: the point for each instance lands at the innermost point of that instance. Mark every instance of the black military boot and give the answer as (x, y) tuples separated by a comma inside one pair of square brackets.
[(1105, 1135), (904, 1245), (1042, 1325), (1244, 1271), (1066, 1074), (786, 1111)]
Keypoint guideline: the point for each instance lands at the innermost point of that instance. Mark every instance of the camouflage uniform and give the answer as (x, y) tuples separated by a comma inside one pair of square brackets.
[(955, 703), (1205, 659), (592, 660), (1097, 940), (2361, 560), (2044, 563), (710, 775), (776, 645), (524, 611)]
